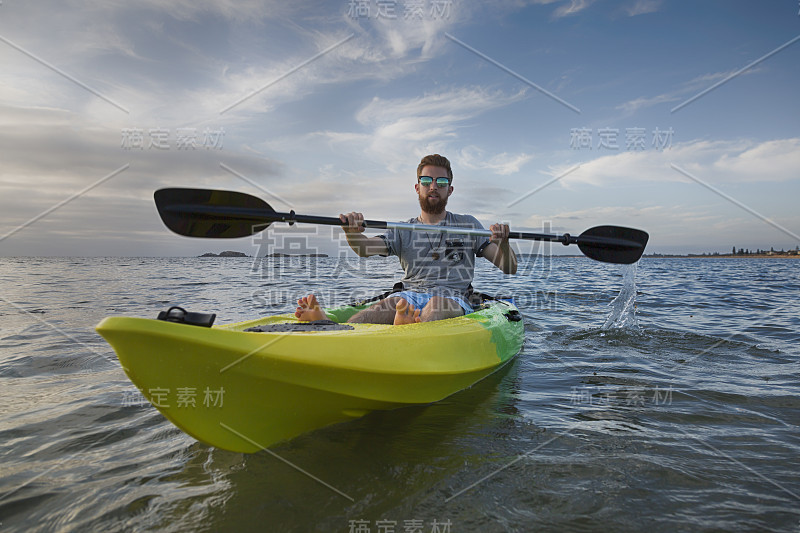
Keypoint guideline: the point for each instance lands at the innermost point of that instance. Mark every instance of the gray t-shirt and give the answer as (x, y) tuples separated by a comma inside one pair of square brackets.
[(442, 264)]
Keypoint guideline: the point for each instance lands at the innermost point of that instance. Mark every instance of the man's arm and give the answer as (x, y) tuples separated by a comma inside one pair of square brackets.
[(362, 245), (499, 252)]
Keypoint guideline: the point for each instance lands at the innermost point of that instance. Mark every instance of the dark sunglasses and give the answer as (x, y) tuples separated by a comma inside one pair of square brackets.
[(440, 182)]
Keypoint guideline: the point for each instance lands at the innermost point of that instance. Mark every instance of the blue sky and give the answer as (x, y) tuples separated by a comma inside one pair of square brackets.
[(608, 102)]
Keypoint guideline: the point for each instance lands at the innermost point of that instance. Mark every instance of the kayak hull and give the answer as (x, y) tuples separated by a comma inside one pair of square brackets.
[(245, 391)]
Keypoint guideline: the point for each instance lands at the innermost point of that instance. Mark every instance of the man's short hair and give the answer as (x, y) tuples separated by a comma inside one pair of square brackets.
[(435, 160)]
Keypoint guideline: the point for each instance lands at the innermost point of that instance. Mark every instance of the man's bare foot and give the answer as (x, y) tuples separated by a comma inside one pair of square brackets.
[(308, 309), (405, 313)]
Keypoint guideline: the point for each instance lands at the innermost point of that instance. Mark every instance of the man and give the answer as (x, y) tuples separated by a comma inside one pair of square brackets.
[(439, 267)]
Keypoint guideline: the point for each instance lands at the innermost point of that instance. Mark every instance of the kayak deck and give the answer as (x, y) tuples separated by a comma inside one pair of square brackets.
[(244, 391)]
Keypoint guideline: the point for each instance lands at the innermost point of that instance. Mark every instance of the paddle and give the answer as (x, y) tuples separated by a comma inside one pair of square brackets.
[(228, 214)]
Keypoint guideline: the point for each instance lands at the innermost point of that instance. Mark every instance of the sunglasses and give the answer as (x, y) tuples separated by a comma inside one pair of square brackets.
[(440, 182)]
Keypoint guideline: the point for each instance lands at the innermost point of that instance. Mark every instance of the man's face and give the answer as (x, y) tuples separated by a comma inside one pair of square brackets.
[(432, 198)]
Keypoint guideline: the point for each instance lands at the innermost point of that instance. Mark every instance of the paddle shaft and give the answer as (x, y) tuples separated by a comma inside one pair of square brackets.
[(260, 216), (565, 239)]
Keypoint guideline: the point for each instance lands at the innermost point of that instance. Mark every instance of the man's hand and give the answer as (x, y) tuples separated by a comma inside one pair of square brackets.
[(354, 221), (498, 251), (499, 233), (363, 246)]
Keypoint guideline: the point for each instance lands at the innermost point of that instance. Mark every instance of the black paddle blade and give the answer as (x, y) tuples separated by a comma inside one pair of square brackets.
[(613, 244), (212, 214)]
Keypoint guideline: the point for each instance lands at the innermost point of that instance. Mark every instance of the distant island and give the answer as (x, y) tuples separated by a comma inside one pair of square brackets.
[(240, 254), (225, 254)]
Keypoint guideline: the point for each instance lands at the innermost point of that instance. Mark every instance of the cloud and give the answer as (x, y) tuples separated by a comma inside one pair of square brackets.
[(684, 91), (395, 129), (147, 55), (48, 160), (390, 136), (175, 65), (632, 106), (503, 164), (572, 7), (402, 37), (777, 160), (736, 161), (641, 7), (674, 226), (447, 106), (745, 170), (592, 215)]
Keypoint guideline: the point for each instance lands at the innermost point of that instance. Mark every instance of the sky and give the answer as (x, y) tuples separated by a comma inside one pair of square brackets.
[(678, 118)]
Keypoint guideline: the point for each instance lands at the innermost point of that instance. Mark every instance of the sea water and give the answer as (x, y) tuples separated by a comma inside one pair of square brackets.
[(671, 404)]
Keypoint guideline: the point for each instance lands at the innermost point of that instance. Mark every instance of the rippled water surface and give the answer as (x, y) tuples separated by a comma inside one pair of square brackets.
[(683, 417)]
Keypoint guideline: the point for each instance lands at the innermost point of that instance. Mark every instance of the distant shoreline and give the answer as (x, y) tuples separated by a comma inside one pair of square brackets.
[(722, 256)]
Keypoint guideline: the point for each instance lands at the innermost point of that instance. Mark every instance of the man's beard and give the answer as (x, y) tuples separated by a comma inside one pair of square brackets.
[(433, 209)]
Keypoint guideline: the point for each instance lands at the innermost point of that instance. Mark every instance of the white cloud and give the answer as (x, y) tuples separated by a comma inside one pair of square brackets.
[(504, 164), (573, 7), (47, 159), (441, 107), (402, 34), (641, 7), (777, 160), (147, 55), (402, 128), (632, 106), (711, 161), (57, 137), (394, 134), (683, 92), (567, 7), (674, 226)]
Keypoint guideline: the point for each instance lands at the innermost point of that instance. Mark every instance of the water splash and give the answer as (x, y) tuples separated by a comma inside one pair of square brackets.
[(623, 307)]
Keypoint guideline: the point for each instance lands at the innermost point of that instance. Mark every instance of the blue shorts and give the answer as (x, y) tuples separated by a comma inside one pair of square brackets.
[(420, 299)]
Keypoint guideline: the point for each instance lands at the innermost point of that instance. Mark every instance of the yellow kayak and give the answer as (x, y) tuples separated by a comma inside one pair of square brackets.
[(247, 390)]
